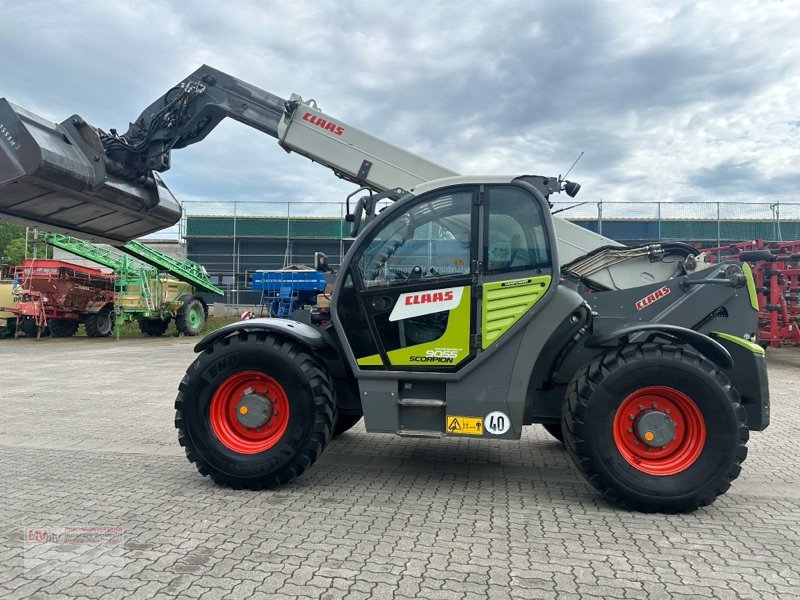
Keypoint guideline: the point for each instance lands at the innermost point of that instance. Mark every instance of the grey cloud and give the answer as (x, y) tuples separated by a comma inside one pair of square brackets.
[(744, 177), (643, 88)]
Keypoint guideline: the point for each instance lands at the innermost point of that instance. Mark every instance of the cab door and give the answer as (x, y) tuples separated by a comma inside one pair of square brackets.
[(517, 258), (406, 301), (438, 280)]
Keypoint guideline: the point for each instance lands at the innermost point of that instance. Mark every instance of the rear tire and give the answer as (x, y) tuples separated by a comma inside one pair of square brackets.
[(191, 317), (697, 461), (245, 367), (63, 327), (101, 323)]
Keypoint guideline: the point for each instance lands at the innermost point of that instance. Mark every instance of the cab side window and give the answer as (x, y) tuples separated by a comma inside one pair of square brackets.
[(516, 239)]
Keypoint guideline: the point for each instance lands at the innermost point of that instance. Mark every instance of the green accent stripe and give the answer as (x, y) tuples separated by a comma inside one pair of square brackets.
[(370, 361), (751, 285), (504, 302), (754, 348)]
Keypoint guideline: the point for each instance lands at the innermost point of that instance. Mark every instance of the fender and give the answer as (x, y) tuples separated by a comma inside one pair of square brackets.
[(705, 345), (300, 332), (95, 307)]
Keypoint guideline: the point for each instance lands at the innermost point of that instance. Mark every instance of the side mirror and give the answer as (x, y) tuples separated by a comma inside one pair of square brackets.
[(358, 212), (571, 188), (321, 262)]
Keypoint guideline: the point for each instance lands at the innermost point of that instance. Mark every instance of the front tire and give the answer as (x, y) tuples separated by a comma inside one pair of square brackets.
[(254, 411), (153, 327), (29, 327), (101, 323), (655, 428)]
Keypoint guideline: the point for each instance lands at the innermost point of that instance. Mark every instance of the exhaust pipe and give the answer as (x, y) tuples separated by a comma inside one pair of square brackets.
[(54, 176)]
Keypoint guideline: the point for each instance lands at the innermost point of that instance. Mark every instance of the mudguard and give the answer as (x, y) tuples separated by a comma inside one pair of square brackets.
[(705, 345), (302, 333)]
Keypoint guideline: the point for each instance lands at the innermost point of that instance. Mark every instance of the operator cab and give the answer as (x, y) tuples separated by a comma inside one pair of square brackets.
[(439, 277)]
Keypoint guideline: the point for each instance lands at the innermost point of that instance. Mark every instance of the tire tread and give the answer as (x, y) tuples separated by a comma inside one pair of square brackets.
[(592, 376)]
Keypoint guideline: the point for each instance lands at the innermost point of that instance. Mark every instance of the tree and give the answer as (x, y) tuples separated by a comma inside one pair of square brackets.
[(14, 251), (14, 235)]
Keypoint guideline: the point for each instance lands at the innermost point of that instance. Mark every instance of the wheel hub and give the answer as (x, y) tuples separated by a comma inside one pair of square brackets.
[(654, 428), (659, 430), (253, 410), (249, 412)]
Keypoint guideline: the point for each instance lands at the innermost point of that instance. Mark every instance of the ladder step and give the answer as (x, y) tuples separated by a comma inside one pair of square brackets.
[(419, 433), (422, 402)]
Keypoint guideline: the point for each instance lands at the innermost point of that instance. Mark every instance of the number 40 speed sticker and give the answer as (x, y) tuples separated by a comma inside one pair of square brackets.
[(497, 422)]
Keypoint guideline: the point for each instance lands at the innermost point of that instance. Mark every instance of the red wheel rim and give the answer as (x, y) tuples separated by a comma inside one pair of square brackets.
[(688, 435), (223, 412)]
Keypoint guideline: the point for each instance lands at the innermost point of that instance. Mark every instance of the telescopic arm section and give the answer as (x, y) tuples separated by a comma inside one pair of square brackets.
[(185, 115)]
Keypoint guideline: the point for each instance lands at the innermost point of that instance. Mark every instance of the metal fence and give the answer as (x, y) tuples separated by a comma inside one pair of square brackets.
[(780, 218), (232, 239)]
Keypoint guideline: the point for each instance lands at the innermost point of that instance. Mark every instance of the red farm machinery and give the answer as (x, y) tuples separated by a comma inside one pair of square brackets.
[(55, 297), (776, 273)]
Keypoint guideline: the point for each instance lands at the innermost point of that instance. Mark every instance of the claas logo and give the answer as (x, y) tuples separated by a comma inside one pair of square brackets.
[(323, 124), (650, 298), (426, 298)]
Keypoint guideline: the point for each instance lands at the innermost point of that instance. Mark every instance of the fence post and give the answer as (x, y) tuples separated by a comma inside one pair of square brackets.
[(234, 274), (658, 221), (719, 241), (288, 234), (776, 221), (600, 217)]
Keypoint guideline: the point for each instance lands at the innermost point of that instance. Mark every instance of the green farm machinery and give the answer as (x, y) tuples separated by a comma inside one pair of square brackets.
[(151, 287)]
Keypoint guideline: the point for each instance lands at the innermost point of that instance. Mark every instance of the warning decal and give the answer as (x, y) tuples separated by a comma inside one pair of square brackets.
[(464, 425)]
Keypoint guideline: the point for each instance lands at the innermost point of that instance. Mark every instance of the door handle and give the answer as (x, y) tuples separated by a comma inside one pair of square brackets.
[(382, 303)]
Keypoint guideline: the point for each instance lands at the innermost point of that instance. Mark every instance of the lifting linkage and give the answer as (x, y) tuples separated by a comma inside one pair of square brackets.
[(189, 111)]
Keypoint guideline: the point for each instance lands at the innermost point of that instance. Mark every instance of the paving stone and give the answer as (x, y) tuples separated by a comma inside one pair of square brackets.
[(377, 517)]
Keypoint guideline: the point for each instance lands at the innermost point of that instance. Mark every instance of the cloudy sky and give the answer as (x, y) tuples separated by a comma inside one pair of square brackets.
[(674, 101)]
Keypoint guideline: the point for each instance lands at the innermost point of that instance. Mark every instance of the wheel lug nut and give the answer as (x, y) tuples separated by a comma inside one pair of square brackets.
[(631, 417), (640, 407), (630, 429), (654, 405)]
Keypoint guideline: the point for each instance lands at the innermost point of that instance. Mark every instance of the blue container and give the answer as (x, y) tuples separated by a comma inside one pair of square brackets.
[(286, 291)]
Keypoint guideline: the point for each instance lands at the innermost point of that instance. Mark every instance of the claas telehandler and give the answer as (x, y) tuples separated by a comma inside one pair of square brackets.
[(463, 308)]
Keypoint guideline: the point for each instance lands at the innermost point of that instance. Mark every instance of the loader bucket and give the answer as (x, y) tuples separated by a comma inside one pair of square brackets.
[(53, 176)]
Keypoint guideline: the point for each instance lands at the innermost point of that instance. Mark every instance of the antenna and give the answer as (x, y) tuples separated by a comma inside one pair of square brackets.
[(568, 208), (572, 167)]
